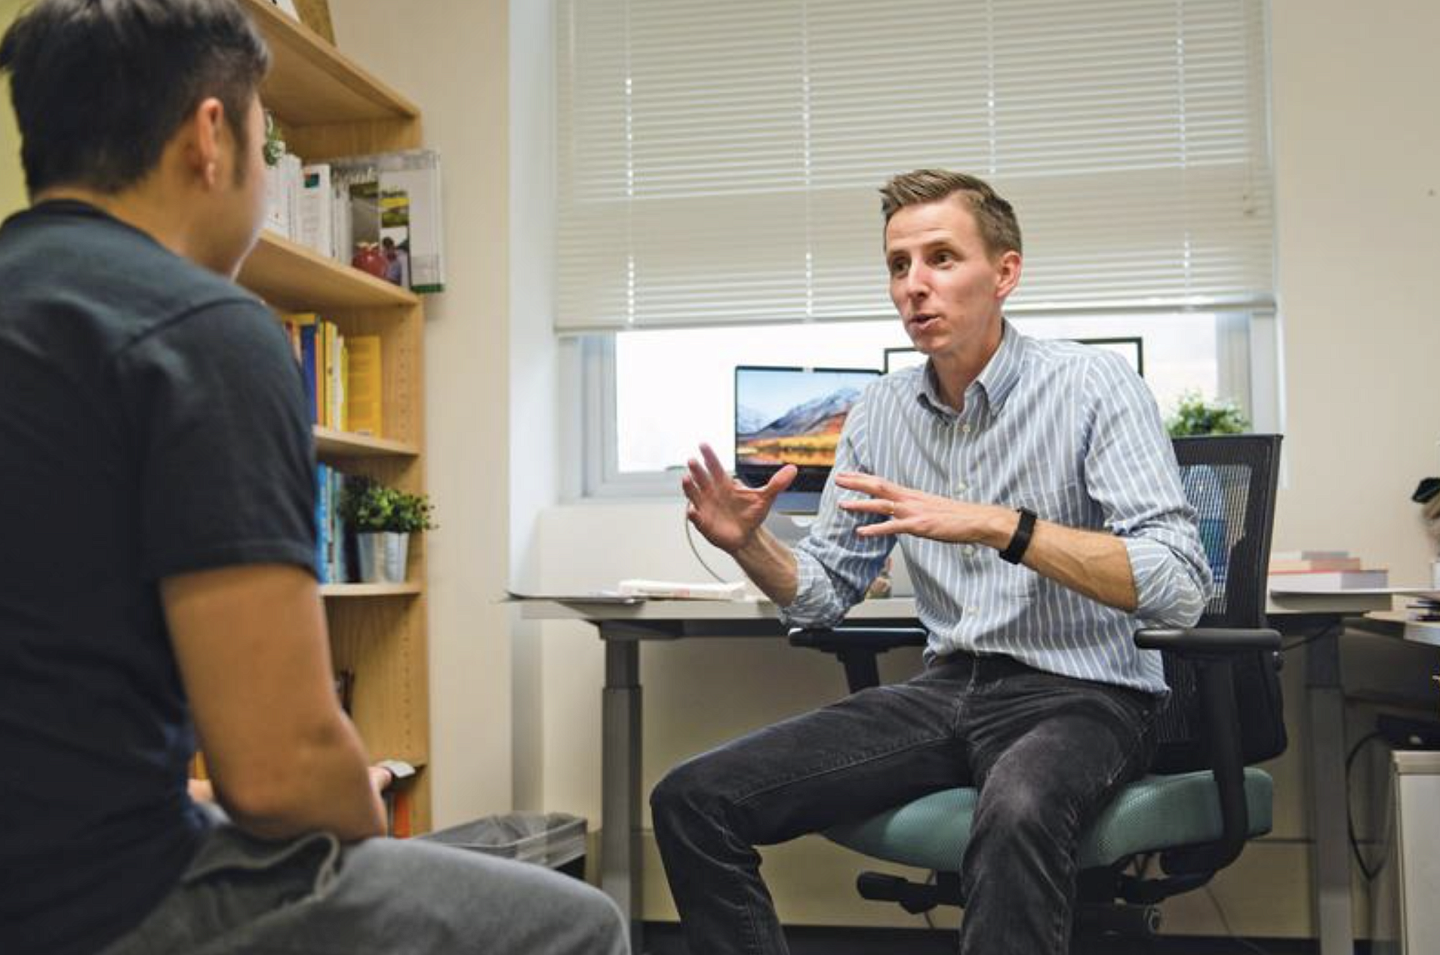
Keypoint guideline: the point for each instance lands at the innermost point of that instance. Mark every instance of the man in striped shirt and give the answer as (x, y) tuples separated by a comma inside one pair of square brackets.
[(1035, 495)]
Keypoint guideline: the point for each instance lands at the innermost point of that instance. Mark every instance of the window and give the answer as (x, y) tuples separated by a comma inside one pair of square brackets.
[(717, 167)]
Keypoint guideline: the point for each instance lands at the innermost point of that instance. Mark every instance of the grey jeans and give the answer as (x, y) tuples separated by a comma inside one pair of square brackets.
[(315, 896)]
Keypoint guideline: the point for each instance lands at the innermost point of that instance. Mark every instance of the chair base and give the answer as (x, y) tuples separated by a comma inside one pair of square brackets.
[(1092, 919)]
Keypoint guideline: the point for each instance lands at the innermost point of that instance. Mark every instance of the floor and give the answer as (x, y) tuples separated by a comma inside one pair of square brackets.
[(663, 938)]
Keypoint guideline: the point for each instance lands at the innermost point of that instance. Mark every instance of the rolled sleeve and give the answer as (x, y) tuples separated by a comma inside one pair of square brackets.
[(1132, 473), (816, 603), (1170, 589)]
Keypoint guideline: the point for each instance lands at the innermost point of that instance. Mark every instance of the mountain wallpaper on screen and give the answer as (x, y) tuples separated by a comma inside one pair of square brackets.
[(805, 435)]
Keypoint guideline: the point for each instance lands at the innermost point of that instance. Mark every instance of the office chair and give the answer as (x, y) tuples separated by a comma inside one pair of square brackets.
[(1202, 799)]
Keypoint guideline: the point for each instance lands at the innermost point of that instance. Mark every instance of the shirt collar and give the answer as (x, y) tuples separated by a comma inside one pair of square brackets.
[(995, 381)]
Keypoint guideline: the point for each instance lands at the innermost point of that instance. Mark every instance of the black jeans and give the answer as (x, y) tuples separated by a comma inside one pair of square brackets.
[(1046, 752)]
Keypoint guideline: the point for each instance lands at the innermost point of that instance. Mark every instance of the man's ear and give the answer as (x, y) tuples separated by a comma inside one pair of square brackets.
[(1007, 272), (202, 138)]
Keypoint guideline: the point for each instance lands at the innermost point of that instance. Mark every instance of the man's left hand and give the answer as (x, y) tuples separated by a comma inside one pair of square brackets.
[(926, 515)]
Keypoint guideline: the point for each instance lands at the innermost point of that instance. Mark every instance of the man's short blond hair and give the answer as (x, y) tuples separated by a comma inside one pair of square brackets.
[(995, 217)]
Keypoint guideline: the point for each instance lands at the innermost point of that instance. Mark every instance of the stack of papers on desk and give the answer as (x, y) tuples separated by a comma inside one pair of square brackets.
[(578, 597), (672, 590)]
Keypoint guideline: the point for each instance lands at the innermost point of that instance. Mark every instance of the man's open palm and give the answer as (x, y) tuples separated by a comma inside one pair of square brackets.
[(727, 512)]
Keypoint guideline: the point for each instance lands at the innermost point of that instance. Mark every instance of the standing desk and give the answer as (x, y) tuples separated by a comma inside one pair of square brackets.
[(622, 627)]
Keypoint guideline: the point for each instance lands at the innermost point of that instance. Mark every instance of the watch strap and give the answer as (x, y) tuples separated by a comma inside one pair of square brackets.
[(1014, 552)]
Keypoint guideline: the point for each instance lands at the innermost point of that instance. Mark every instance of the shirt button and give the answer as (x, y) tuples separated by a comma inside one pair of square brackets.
[(961, 488), (964, 429), (972, 609)]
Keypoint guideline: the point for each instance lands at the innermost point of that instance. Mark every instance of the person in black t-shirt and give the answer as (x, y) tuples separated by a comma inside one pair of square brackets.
[(157, 507)]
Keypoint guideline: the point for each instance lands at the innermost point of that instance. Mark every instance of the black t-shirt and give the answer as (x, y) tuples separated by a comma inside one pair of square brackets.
[(152, 422)]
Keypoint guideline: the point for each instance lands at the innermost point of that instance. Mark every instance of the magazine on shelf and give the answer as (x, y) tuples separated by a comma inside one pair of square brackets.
[(391, 202)]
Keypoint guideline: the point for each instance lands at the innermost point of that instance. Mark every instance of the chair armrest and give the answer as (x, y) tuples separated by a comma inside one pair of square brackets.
[(878, 639), (1207, 640), (858, 648)]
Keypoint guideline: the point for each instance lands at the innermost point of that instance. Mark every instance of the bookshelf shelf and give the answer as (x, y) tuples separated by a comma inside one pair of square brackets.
[(295, 278), (312, 83), (340, 444), (408, 589), (329, 106)]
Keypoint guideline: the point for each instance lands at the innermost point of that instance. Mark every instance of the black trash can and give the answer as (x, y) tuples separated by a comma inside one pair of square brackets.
[(552, 839)]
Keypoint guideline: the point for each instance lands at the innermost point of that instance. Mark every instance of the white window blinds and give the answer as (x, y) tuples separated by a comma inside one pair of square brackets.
[(718, 160)]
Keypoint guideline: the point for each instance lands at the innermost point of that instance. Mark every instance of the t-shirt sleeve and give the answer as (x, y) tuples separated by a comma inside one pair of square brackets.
[(225, 460)]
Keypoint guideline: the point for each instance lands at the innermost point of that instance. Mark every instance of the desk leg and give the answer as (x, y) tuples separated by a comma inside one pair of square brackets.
[(1329, 800), (621, 873)]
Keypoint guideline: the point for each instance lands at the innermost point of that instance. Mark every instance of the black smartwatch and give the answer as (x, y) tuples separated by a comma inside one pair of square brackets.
[(1015, 550)]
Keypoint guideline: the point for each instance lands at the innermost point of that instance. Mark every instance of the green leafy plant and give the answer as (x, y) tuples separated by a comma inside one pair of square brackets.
[(368, 506), (1194, 415), (274, 142)]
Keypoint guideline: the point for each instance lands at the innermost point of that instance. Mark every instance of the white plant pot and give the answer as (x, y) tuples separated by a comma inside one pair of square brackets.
[(382, 557)]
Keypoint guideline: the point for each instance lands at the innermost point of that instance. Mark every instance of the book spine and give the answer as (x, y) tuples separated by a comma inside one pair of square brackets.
[(322, 522)]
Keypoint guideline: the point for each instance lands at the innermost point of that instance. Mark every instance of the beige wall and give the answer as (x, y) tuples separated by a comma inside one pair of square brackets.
[(450, 56), (12, 178), (1357, 138)]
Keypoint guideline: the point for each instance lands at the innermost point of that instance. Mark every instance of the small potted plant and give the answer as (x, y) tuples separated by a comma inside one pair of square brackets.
[(1196, 416), (383, 518)]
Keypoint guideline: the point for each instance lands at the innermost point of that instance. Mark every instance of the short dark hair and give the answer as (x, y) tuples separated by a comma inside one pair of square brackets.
[(994, 216), (100, 86)]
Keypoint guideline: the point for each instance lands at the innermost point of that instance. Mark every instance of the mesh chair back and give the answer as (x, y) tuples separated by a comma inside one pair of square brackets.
[(1230, 480)]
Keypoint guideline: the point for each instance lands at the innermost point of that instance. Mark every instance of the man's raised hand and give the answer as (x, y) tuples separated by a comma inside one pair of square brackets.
[(722, 508)]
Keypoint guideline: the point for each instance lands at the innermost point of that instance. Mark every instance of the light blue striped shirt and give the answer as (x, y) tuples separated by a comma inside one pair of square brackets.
[(1064, 429)]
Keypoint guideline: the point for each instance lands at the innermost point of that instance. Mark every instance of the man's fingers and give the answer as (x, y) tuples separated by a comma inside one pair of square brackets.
[(697, 474), (692, 492), (871, 505), (717, 470), (864, 483), (780, 480)]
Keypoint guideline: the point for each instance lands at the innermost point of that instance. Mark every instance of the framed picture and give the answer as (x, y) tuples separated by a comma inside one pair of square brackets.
[(1131, 349), (897, 358)]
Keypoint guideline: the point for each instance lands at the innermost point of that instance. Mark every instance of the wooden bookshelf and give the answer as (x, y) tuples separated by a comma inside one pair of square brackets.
[(340, 444), (408, 588), (329, 106), (296, 278)]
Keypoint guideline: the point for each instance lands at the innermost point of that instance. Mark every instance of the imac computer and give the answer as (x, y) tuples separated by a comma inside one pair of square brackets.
[(793, 416)]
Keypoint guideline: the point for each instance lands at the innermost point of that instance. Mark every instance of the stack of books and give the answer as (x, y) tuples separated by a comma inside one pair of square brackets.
[(388, 203), (1322, 570)]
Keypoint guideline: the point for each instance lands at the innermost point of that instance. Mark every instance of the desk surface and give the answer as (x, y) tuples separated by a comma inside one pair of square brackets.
[(893, 608)]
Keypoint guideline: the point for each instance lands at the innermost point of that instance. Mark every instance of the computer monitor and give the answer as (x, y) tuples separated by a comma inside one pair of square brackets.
[(793, 416)]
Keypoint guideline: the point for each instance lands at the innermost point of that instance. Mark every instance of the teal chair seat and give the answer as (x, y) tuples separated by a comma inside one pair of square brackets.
[(1151, 814)]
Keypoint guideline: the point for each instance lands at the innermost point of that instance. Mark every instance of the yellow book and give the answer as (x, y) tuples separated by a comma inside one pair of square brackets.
[(363, 385), (342, 382), (325, 341)]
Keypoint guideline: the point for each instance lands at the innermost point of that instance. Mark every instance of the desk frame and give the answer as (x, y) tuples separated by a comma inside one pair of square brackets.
[(1318, 617)]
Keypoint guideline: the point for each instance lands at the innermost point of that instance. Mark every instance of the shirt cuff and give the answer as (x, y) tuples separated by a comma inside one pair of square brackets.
[(1166, 594), (814, 603)]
